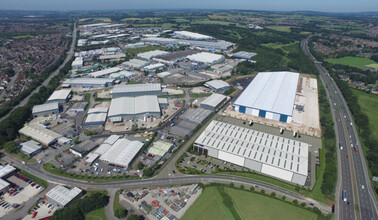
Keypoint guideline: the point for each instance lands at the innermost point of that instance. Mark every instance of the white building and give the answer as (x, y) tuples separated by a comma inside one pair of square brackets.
[(89, 82), (104, 72), (150, 54), (96, 116), (154, 67), (60, 96), (272, 155), (45, 110), (122, 152), (205, 57), (270, 95), (77, 63), (136, 90), (192, 35), (40, 134), (61, 196), (135, 64), (138, 107), (213, 102), (30, 148), (217, 85)]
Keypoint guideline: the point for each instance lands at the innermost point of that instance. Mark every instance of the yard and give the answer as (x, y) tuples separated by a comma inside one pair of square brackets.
[(357, 62)]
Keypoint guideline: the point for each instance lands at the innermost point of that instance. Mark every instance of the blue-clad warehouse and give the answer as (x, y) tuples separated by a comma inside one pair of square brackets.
[(270, 95)]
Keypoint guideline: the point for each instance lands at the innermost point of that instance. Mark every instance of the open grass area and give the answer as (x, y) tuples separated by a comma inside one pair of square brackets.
[(22, 36), (357, 62), (135, 51), (280, 28), (373, 65), (209, 205), (255, 206), (217, 22), (248, 205), (278, 45), (24, 157), (369, 105), (98, 214), (102, 19)]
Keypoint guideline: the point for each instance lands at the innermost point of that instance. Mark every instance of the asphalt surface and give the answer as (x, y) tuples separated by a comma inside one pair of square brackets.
[(352, 166), (70, 53)]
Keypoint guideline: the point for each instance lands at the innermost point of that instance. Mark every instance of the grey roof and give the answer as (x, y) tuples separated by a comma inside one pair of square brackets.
[(89, 81), (275, 151), (45, 107), (98, 110), (63, 195), (271, 91), (96, 118), (5, 170), (148, 55), (79, 105), (244, 55), (218, 44), (214, 100), (131, 88), (217, 84), (30, 147), (85, 146), (197, 115), (60, 95), (122, 152), (40, 134), (134, 105)]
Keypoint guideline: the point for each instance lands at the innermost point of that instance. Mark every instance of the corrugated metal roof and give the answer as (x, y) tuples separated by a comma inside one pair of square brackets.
[(45, 107), (98, 110), (217, 84), (30, 147), (5, 170), (40, 134), (133, 105), (148, 55), (96, 118), (89, 81), (214, 100), (60, 94), (160, 148), (131, 88), (122, 152), (63, 195), (205, 57), (105, 72), (272, 92)]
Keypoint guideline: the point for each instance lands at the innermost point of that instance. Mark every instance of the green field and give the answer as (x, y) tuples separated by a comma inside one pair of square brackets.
[(248, 205), (278, 45), (357, 62), (373, 65), (280, 28), (217, 22), (98, 214), (208, 206), (369, 105)]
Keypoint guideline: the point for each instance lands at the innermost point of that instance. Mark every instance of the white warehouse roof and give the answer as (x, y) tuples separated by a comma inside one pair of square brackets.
[(205, 57), (104, 72), (272, 92), (269, 154), (136, 63), (59, 95), (134, 105), (122, 152), (40, 134), (5, 170), (88, 81), (216, 84), (96, 118), (63, 195), (132, 88), (45, 107), (150, 54), (214, 100), (154, 66), (30, 147), (192, 35)]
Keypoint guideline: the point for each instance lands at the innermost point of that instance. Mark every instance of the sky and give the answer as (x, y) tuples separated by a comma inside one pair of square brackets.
[(270, 5)]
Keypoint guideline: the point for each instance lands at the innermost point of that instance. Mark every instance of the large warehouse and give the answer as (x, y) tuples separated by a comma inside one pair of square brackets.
[(30, 148), (205, 57), (272, 155), (60, 96), (270, 95), (45, 110), (104, 72), (150, 54), (89, 82), (214, 44), (40, 134), (61, 196), (136, 90), (134, 107), (122, 152), (217, 85), (213, 102), (192, 35), (96, 116)]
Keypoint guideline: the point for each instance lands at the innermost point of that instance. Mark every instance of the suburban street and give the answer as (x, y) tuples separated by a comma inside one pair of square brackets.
[(353, 174)]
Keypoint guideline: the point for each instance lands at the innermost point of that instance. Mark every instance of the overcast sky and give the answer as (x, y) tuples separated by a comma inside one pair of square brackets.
[(276, 5)]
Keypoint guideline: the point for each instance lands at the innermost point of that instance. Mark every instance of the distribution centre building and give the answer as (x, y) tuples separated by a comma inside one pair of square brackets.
[(104, 72), (45, 110), (192, 35), (136, 90), (89, 82), (134, 107), (205, 57), (61, 196), (151, 54), (272, 155), (122, 152), (214, 44), (213, 102), (60, 96), (270, 95), (96, 116), (217, 85)]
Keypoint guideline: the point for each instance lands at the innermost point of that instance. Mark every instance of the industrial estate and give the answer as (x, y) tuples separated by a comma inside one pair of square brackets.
[(152, 118)]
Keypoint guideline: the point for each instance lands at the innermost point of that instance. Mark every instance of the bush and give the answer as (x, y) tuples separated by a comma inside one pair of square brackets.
[(252, 188), (242, 187), (283, 197), (295, 202), (273, 194), (262, 191), (120, 213), (303, 204)]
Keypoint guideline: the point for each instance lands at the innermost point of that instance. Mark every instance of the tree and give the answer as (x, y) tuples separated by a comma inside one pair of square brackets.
[(148, 172), (135, 217), (242, 187), (283, 198), (232, 184), (295, 202), (10, 147), (262, 191), (252, 188), (120, 213), (303, 204), (140, 165), (273, 194)]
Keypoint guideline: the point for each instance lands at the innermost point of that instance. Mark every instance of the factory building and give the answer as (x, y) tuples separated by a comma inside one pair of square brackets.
[(272, 155), (89, 82), (83, 148), (213, 102), (122, 152), (30, 148), (61, 196), (40, 134), (60, 96), (139, 107), (136, 90), (104, 72), (205, 57), (77, 63), (164, 74), (191, 35), (173, 58), (160, 148), (154, 67), (78, 107), (5, 172), (150, 54), (45, 110), (244, 55), (96, 116), (209, 45), (218, 86), (135, 64), (270, 95)]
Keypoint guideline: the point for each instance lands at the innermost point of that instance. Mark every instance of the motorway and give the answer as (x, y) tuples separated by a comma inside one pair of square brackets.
[(353, 174), (70, 53)]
